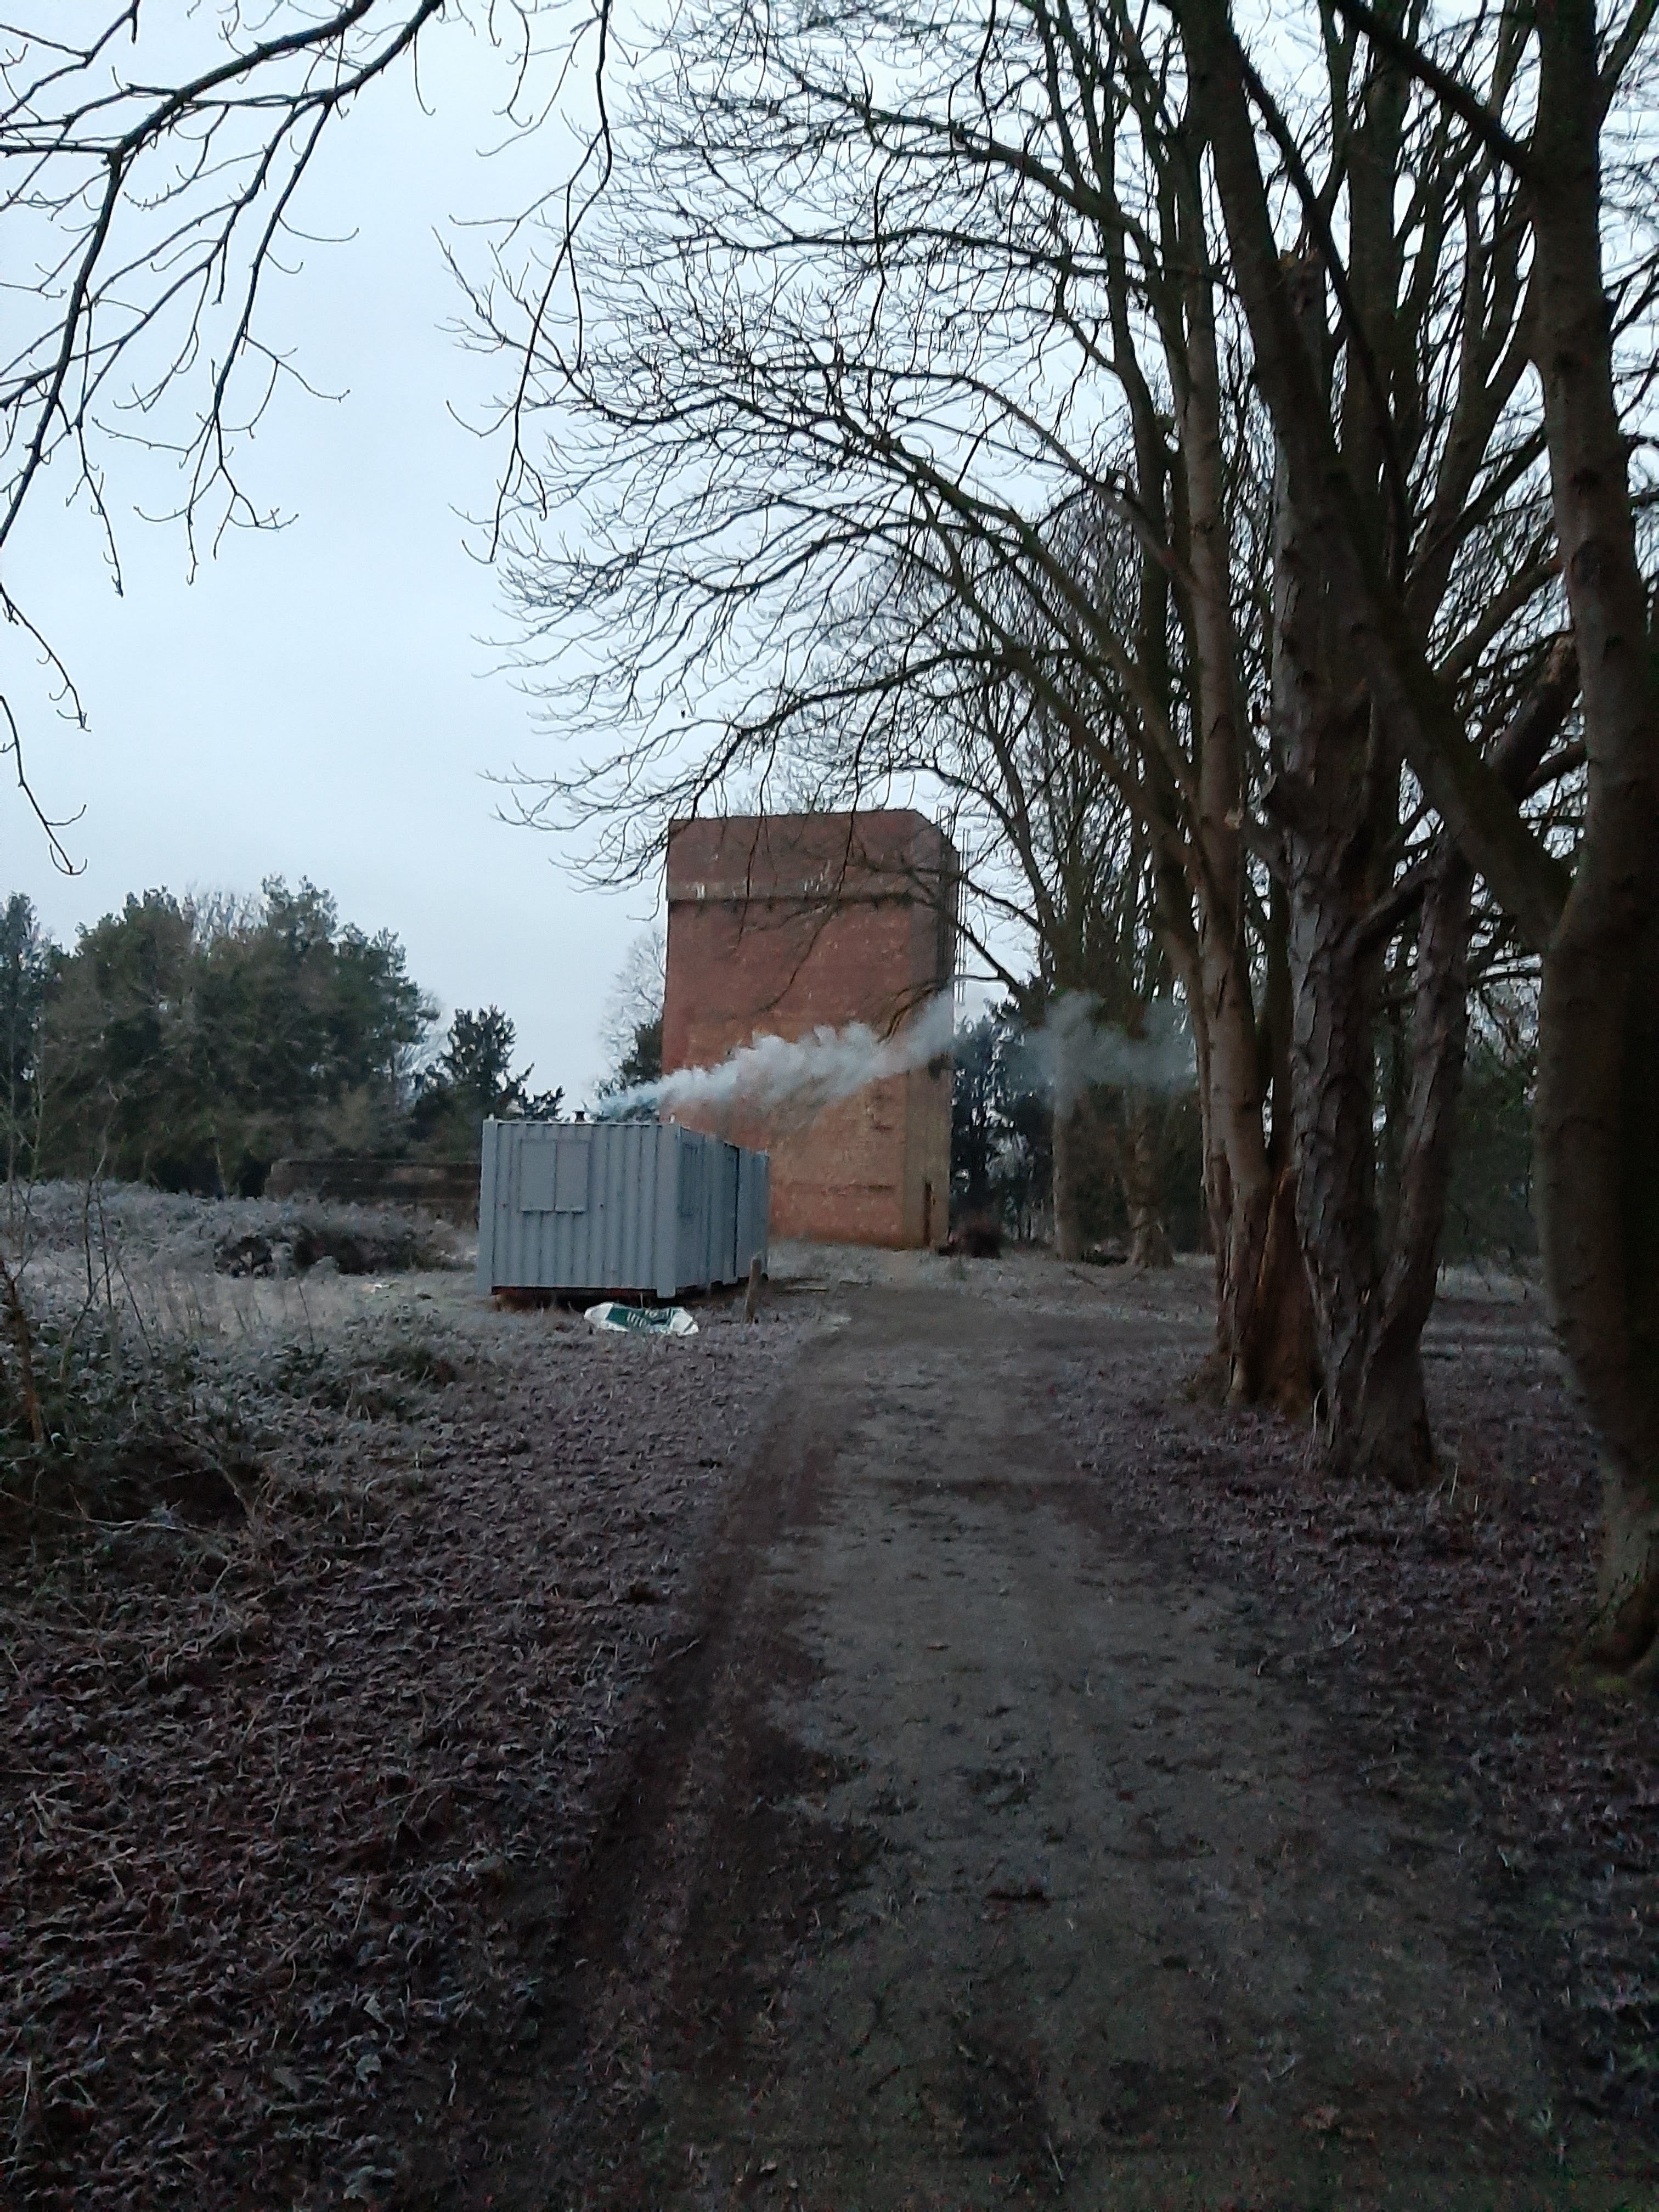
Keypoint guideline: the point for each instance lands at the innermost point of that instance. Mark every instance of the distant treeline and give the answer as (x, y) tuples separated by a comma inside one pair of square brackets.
[(1145, 1158), (1138, 1164), (189, 1042)]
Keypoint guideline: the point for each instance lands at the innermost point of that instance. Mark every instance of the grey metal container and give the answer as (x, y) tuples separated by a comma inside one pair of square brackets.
[(617, 1205)]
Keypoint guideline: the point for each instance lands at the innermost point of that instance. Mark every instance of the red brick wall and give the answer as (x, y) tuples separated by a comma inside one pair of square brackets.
[(780, 924)]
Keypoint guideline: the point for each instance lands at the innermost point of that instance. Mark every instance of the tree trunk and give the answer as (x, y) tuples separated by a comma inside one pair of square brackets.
[(1217, 1197), (1391, 1438), (1323, 801), (1597, 1165), (1332, 1088), (1253, 1302), (1276, 1361), (1367, 1317), (1334, 803), (1391, 1433), (1331, 1060), (1143, 1192), (1067, 1133)]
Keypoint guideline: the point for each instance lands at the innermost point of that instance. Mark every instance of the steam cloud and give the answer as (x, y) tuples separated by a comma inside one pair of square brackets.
[(799, 1076), (1070, 1051)]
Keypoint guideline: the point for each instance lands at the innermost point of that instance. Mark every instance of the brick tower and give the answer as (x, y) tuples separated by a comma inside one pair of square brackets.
[(779, 923)]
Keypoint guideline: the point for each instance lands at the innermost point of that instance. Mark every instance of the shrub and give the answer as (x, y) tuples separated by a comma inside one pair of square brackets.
[(129, 1428)]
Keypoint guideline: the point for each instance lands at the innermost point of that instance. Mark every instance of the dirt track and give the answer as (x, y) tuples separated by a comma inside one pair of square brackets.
[(972, 1856)]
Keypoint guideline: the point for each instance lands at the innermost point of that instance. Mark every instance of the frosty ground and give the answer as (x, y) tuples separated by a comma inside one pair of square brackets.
[(904, 1753)]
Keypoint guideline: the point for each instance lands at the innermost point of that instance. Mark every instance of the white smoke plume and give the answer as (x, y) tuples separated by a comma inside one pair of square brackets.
[(1072, 1051), (798, 1075)]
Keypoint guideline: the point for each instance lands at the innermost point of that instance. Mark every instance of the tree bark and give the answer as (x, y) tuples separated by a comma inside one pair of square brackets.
[(1143, 1195), (1597, 1165), (1256, 1306), (1326, 739), (1276, 1360), (1390, 1437)]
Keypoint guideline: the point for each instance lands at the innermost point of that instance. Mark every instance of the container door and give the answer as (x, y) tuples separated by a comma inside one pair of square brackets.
[(546, 1231)]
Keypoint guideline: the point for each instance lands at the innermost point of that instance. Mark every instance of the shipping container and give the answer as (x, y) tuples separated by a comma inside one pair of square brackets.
[(644, 1207)]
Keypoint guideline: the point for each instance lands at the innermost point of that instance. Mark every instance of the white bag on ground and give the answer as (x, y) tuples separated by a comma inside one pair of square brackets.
[(642, 1321)]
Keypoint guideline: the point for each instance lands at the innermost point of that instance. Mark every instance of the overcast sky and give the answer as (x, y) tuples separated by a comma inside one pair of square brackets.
[(319, 703)]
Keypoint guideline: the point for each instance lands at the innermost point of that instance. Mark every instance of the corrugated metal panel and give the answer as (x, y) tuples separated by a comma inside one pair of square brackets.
[(617, 1205), (753, 1206)]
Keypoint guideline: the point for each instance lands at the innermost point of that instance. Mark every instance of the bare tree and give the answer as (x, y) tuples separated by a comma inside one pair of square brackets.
[(900, 331), (631, 1028), (844, 336), (1592, 920), (153, 175), (1418, 376)]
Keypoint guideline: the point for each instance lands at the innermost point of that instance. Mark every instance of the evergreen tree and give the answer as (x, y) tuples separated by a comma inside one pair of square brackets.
[(26, 961), (472, 1079), (189, 1042)]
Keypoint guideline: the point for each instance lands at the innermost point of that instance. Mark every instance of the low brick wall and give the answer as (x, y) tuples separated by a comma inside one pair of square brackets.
[(447, 1188)]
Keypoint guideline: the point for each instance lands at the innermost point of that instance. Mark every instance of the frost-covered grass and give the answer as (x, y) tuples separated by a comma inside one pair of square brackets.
[(149, 1343), (66, 1219)]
